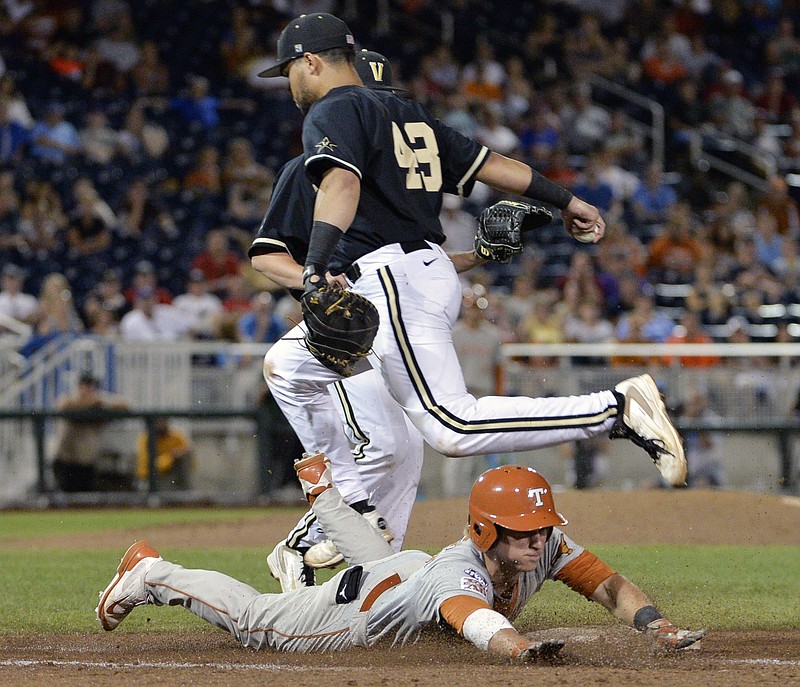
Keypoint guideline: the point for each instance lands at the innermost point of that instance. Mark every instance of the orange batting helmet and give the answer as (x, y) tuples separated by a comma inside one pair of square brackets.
[(514, 497)]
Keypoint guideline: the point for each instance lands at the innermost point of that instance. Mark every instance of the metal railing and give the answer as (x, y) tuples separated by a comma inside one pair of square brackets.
[(656, 126)]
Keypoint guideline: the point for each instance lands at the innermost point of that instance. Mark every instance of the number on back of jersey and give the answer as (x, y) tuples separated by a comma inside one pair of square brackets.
[(420, 158)]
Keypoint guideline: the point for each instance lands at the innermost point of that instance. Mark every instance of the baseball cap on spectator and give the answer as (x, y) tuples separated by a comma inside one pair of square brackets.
[(197, 275), (12, 270), (145, 267), (88, 379), (375, 71), (145, 292), (309, 33), (111, 275)]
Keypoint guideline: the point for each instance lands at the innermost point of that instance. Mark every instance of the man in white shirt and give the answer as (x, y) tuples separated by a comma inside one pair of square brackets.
[(201, 308), (13, 302), (151, 321)]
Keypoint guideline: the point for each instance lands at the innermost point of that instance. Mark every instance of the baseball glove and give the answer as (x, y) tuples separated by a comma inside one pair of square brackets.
[(341, 326), (500, 227)]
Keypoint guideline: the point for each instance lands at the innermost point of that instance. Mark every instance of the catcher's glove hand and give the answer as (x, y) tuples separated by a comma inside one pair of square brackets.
[(341, 326), (500, 227), (664, 633)]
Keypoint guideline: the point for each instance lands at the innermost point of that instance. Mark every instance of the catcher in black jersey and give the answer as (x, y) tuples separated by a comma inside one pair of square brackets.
[(380, 162)]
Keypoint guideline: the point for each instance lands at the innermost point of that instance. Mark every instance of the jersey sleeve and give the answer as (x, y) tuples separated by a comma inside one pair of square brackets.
[(333, 137), (578, 568), (457, 587), (286, 227), (462, 158)]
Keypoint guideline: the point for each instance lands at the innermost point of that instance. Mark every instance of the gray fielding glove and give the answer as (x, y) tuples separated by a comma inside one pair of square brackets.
[(500, 227)]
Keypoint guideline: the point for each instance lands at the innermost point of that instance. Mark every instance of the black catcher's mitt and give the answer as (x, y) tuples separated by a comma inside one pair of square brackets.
[(500, 227), (341, 327)]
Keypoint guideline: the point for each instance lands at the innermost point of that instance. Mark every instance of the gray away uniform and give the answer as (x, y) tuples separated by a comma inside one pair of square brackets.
[(395, 597)]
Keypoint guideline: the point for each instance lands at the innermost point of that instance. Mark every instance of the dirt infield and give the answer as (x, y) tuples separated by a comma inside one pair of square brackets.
[(612, 655)]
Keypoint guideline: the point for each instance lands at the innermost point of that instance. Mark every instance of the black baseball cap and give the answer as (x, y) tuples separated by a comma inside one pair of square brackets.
[(309, 33), (375, 71)]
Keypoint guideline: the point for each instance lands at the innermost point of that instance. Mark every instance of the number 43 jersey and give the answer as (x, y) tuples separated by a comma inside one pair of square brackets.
[(404, 157)]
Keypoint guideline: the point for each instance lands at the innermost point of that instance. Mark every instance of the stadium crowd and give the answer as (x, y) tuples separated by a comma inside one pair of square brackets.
[(138, 148)]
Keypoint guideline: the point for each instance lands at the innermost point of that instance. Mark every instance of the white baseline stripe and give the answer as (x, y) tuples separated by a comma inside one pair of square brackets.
[(269, 667), (275, 667)]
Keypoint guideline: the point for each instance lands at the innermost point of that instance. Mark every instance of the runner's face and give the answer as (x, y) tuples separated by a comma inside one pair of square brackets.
[(521, 551)]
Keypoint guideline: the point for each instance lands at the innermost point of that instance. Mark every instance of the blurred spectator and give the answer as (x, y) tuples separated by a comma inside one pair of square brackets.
[(248, 205), (700, 62), (89, 230), (662, 66), (41, 218), (17, 107), (623, 183), (152, 321), (14, 303), (458, 226), (142, 215), (586, 124), (685, 111), (459, 116), (587, 465), (206, 175), (98, 141), (105, 305), (477, 342), (150, 76), (441, 70), (54, 139), (778, 203), (260, 324), (541, 326), (592, 189), (173, 458), (653, 198), (776, 101), (583, 278), (13, 137), (241, 167), (201, 308), (517, 91), (731, 109), (690, 330), (141, 139), (626, 144), (79, 444), (145, 277), (674, 255), (493, 133), (703, 448), (483, 78), (57, 313), (768, 242), (119, 45), (10, 238), (584, 47), (654, 325), (218, 262), (587, 326), (539, 135)]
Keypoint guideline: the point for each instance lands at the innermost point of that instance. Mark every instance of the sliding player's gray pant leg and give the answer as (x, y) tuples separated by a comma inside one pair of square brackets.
[(358, 541)]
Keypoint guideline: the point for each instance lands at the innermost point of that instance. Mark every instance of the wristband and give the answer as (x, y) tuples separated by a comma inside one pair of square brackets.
[(324, 237), (644, 616), (545, 190)]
